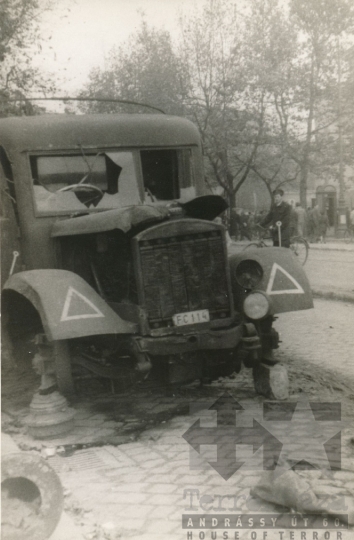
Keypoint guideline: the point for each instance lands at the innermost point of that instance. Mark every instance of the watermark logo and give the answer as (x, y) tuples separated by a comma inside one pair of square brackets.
[(277, 436)]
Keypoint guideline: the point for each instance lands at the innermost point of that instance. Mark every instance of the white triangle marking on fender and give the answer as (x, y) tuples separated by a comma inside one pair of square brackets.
[(65, 315), (276, 268)]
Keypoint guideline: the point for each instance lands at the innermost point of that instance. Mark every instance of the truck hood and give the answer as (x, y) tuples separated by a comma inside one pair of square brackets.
[(123, 219), (206, 207)]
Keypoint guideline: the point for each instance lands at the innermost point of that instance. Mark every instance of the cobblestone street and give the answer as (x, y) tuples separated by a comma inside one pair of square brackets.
[(177, 269), (127, 471), (323, 336), (330, 271)]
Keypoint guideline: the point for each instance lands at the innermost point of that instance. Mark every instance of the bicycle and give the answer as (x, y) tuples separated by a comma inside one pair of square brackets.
[(298, 245), (349, 234)]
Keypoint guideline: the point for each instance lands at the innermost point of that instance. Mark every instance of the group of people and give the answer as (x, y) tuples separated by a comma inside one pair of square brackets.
[(316, 224), (295, 221)]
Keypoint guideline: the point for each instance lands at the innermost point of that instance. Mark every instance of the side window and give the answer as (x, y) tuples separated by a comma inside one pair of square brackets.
[(186, 176), (186, 168), (160, 173)]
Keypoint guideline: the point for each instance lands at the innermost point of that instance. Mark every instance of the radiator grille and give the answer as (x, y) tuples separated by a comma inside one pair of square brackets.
[(184, 273)]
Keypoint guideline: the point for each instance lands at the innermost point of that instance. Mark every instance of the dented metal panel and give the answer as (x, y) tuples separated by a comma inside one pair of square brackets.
[(120, 218), (284, 279), (68, 306)]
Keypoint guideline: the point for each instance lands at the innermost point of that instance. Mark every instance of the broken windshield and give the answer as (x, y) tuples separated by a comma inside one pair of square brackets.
[(104, 180), (84, 182)]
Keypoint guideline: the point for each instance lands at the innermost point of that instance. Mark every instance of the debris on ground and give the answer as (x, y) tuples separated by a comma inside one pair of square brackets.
[(286, 487)]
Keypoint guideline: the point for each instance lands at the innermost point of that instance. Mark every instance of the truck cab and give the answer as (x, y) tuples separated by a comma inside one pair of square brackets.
[(113, 258)]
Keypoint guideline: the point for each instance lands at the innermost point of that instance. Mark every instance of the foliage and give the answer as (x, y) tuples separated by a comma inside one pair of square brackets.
[(260, 82), (144, 70), (20, 40), (209, 50), (314, 80)]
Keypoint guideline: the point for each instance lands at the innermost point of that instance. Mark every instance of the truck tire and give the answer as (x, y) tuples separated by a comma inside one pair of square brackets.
[(271, 381)]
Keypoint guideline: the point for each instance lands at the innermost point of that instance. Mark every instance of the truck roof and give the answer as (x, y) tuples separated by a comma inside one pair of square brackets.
[(61, 131)]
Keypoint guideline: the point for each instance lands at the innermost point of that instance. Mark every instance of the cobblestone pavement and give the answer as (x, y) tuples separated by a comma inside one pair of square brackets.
[(128, 472), (323, 336)]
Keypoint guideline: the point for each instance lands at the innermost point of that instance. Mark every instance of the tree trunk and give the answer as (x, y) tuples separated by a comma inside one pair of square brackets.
[(233, 224), (307, 148), (303, 183)]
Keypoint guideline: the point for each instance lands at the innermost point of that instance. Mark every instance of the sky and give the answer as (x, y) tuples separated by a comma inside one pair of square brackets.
[(79, 33)]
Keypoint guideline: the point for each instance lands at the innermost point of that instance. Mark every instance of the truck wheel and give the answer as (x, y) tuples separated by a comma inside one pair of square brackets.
[(271, 381), (21, 323)]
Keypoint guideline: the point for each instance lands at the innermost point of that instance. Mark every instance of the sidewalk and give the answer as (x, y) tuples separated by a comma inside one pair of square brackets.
[(333, 294), (333, 245)]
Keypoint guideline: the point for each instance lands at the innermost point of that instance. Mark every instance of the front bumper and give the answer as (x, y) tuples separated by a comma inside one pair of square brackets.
[(178, 344)]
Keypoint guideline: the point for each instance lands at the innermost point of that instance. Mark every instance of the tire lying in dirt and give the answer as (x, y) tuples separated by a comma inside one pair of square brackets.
[(32, 497)]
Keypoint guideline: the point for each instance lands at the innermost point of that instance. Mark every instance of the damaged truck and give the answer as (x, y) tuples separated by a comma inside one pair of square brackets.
[(114, 263)]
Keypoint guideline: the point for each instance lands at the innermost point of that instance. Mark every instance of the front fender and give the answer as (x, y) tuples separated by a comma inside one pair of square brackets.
[(67, 305), (283, 279)]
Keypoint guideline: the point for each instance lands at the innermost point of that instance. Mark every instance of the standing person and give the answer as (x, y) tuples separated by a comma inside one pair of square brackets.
[(234, 224), (280, 211), (251, 223), (301, 219), (323, 226), (244, 229), (310, 224), (316, 222)]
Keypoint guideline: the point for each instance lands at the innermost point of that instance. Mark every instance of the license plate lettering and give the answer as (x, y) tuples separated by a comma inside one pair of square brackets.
[(191, 317)]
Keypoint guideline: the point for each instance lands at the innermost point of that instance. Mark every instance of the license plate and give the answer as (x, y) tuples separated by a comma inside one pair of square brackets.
[(191, 317)]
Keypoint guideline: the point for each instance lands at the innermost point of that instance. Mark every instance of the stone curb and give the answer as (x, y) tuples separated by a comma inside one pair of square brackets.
[(330, 246), (342, 296), (333, 247)]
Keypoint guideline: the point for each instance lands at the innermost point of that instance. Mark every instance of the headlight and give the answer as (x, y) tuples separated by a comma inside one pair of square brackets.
[(249, 273), (256, 305)]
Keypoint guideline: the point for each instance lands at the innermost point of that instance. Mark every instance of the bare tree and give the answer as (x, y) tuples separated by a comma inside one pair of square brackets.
[(307, 111)]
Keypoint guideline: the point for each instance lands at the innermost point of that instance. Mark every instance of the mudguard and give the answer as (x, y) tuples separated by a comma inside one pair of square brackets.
[(68, 306), (283, 279)]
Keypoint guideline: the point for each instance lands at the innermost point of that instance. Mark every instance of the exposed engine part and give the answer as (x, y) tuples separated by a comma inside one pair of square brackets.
[(269, 336), (250, 339), (251, 344), (104, 260), (143, 365)]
